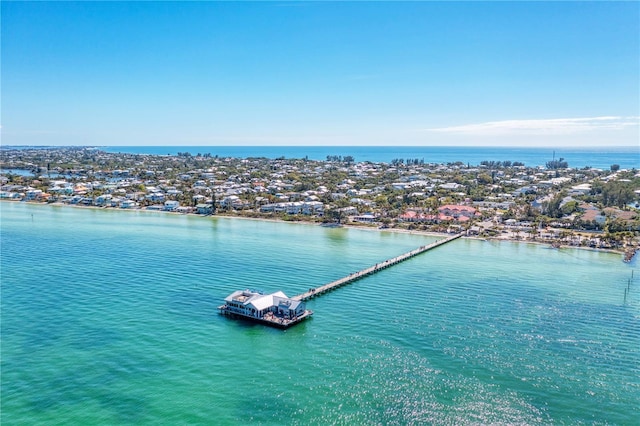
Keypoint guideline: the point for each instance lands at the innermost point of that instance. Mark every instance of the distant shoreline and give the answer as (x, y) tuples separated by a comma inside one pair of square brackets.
[(531, 156), (508, 238)]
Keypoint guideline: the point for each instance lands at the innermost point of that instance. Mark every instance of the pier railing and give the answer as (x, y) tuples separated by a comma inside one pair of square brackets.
[(313, 292)]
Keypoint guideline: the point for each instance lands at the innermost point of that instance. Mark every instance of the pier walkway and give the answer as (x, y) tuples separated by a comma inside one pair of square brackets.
[(372, 269)]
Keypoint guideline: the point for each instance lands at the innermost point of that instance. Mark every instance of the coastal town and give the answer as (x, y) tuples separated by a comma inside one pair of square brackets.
[(553, 204)]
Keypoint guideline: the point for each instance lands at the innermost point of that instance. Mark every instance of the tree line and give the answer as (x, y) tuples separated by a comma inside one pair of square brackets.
[(340, 158), (498, 164), (408, 161)]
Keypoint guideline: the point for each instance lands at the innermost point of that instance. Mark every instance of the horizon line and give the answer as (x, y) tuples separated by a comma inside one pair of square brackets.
[(555, 146)]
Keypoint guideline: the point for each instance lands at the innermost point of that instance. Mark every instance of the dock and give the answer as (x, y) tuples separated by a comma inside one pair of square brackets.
[(314, 292), (271, 319)]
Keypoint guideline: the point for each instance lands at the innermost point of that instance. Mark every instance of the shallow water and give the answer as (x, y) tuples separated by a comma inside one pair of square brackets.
[(110, 317)]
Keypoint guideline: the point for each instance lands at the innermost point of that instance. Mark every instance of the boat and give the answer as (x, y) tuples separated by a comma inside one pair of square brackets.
[(274, 309)]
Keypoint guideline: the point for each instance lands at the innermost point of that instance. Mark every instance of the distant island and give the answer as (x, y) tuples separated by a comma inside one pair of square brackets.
[(554, 204)]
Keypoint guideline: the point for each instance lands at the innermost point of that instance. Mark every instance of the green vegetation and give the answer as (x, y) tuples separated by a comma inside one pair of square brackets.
[(617, 193), (557, 164), (534, 198)]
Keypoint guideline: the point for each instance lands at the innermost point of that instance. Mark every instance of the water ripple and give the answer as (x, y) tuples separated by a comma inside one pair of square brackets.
[(113, 320)]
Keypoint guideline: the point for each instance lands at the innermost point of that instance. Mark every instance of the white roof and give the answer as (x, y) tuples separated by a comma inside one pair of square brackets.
[(262, 301), (257, 300)]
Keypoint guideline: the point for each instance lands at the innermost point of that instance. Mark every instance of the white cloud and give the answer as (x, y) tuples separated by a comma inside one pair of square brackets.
[(556, 126)]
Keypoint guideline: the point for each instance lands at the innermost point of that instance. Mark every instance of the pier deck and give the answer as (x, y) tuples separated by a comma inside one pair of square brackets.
[(372, 269)]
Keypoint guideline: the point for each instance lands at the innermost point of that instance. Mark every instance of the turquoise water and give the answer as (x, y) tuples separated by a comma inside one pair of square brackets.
[(627, 157), (109, 317)]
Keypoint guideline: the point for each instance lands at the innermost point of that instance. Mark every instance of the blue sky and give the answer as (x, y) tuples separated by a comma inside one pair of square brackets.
[(321, 73)]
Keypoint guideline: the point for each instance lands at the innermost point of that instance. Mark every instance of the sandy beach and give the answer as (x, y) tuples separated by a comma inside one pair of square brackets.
[(505, 235)]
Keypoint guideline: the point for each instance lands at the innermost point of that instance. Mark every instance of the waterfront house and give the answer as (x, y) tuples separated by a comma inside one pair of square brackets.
[(293, 207), (257, 305), (76, 199), (171, 205), (33, 194), (267, 208), (128, 204), (313, 207), (231, 201), (204, 209), (274, 309), (365, 218)]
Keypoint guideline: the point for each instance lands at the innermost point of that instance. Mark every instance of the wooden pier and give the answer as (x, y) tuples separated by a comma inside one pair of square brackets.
[(313, 292)]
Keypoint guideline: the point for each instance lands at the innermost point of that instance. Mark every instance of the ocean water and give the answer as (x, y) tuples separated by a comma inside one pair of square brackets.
[(109, 317), (602, 158)]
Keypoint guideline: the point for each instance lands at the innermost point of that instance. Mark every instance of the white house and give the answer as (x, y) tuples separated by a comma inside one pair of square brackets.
[(313, 207), (256, 305), (365, 218), (128, 204), (32, 194), (171, 205), (451, 185)]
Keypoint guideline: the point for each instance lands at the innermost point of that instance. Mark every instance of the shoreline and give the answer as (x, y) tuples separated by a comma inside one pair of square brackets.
[(509, 239)]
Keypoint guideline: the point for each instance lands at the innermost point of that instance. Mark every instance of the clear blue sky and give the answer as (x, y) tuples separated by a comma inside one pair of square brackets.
[(320, 73)]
